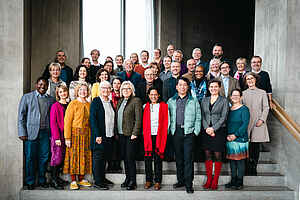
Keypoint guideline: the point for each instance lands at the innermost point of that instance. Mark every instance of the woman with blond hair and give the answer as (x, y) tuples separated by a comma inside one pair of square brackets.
[(78, 159), (57, 141), (54, 80)]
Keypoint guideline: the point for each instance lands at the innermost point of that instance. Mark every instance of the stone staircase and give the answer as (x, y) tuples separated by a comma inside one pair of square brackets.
[(269, 184)]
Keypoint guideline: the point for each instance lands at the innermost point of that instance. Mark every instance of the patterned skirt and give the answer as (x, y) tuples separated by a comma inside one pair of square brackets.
[(237, 150), (78, 158)]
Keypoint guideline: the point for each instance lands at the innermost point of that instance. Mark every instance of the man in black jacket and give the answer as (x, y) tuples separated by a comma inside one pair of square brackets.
[(66, 73)]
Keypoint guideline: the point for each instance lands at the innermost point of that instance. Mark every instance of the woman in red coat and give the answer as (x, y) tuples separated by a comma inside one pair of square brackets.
[(155, 130)]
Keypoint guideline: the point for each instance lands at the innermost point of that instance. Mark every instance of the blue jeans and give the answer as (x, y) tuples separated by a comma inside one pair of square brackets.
[(37, 154)]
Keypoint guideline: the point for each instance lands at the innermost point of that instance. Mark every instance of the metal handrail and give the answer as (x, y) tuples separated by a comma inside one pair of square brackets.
[(286, 120)]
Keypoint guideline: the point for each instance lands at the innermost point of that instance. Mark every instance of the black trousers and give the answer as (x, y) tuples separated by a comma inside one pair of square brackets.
[(184, 157), (128, 153), (100, 157), (254, 151), (157, 165), (99, 165)]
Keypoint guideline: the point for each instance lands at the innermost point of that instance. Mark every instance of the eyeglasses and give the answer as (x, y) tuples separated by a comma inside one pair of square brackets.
[(149, 74), (198, 71), (250, 78)]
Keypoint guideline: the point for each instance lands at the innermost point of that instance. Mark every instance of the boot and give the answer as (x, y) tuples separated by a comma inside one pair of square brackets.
[(54, 182), (208, 167), (214, 184)]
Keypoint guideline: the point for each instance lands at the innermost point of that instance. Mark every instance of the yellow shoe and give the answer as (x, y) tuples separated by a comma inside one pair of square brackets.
[(74, 186), (85, 183)]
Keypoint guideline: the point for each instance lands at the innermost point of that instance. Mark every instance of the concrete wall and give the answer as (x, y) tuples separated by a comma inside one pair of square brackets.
[(277, 32), (11, 89), (55, 24)]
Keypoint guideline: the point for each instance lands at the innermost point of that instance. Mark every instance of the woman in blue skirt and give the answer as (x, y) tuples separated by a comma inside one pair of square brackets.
[(237, 139)]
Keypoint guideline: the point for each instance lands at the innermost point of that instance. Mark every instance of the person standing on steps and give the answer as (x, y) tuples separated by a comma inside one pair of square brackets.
[(57, 141), (185, 123), (237, 139), (78, 159), (34, 131), (129, 123), (102, 120), (257, 101), (155, 131), (214, 114)]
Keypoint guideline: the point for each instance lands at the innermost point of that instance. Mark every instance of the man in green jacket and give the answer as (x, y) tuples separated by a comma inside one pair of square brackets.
[(185, 123)]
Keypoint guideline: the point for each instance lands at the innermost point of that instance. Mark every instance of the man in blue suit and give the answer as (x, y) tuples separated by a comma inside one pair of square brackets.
[(34, 130)]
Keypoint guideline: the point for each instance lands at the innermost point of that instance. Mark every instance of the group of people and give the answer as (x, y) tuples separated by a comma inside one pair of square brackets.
[(161, 110)]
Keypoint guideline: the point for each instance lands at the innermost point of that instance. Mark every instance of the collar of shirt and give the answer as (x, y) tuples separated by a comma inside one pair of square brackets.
[(103, 101), (224, 77), (41, 95), (98, 64), (59, 81), (256, 72), (185, 97)]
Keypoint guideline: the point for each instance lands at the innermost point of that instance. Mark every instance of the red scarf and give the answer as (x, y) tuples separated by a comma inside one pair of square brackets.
[(162, 130), (114, 99)]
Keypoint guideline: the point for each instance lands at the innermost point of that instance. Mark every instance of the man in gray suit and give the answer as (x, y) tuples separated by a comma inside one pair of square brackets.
[(34, 130)]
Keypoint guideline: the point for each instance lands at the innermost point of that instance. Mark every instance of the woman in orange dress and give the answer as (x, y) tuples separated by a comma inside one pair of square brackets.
[(78, 159)]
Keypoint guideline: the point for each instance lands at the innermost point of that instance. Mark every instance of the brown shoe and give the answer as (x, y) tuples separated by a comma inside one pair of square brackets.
[(148, 185), (157, 186)]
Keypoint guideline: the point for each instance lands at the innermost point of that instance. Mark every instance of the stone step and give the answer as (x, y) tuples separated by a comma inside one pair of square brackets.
[(167, 192), (265, 156), (169, 177), (262, 167)]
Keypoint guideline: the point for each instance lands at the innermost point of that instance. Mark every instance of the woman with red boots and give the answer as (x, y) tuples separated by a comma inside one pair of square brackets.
[(214, 114)]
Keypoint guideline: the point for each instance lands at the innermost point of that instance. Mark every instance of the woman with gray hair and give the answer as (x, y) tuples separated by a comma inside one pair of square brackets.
[(102, 120), (214, 69), (129, 120)]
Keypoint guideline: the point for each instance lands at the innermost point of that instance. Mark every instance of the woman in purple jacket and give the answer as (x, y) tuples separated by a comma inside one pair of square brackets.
[(57, 142)]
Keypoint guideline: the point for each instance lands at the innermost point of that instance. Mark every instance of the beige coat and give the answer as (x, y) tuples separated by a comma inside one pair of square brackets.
[(257, 102)]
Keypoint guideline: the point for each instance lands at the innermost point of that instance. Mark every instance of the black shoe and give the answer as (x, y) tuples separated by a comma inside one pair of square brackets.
[(190, 190), (44, 185), (178, 185), (131, 186), (107, 182), (231, 184), (62, 181), (55, 184), (101, 186), (30, 187), (239, 184), (125, 183)]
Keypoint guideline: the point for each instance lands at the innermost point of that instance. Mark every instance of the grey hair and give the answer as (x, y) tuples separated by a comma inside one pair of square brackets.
[(196, 49), (214, 59), (102, 83), (130, 85)]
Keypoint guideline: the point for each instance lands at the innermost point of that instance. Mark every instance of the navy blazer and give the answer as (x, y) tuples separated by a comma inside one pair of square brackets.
[(97, 122), (29, 115), (135, 78)]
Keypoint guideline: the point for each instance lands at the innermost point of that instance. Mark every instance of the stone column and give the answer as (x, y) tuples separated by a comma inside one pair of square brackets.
[(11, 87), (277, 41)]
